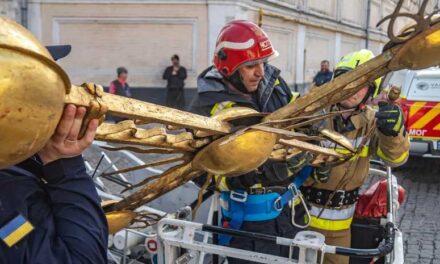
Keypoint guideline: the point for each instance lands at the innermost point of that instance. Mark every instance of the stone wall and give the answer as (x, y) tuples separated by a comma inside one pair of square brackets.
[(10, 9), (140, 37), (143, 34)]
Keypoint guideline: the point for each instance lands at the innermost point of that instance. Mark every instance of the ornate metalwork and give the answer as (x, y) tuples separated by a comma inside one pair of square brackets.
[(421, 22), (221, 145)]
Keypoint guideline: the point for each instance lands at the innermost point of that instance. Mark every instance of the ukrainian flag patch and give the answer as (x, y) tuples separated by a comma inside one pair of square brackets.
[(15, 230)]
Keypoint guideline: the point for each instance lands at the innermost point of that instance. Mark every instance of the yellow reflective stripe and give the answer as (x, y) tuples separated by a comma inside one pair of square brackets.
[(277, 82), (296, 202), (257, 185), (332, 225), (362, 154), (398, 160), (214, 109), (222, 186), (294, 96), (398, 124), (229, 105), (18, 234), (220, 106)]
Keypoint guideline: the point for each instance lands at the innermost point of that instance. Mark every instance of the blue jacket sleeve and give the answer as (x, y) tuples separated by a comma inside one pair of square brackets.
[(80, 225)]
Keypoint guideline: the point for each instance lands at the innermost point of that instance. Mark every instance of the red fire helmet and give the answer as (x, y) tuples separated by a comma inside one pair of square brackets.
[(241, 42)]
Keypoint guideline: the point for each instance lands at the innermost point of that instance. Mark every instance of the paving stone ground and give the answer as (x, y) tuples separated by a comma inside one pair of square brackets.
[(418, 218)]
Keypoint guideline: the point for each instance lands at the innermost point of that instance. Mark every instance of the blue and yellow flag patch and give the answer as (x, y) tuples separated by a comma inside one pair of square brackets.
[(15, 230)]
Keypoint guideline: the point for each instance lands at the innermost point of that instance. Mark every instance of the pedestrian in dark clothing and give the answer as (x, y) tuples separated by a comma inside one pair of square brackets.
[(49, 209), (175, 76), (119, 87), (324, 75), (241, 77)]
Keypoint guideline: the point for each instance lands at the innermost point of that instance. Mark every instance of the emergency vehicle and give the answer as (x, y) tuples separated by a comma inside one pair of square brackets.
[(420, 101)]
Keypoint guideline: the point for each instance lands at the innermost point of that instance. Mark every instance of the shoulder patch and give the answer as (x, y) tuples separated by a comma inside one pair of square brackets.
[(15, 230)]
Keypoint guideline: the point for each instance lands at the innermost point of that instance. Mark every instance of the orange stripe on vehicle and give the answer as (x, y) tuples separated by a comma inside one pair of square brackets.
[(428, 117), (414, 108)]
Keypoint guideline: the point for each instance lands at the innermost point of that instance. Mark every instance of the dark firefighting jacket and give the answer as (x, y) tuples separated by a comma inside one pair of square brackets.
[(51, 214), (214, 95)]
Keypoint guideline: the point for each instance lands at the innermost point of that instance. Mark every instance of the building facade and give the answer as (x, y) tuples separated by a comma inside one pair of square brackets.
[(11, 9), (142, 35)]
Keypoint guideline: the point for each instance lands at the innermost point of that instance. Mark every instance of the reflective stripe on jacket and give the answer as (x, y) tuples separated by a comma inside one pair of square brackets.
[(218, 107), (331, 219), (353, 173), (273, 93)]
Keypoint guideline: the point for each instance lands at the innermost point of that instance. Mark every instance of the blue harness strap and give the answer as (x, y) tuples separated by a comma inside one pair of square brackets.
[(238, 206)]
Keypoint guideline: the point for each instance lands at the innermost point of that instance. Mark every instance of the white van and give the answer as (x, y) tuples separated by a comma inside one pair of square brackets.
[(420, 101)]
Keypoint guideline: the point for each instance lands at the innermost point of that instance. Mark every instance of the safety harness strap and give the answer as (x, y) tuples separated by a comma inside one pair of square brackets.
[(238, 206)]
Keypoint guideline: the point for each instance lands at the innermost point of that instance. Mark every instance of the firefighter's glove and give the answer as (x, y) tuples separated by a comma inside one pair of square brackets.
[(389, 119), (297, 162), (321, 174)]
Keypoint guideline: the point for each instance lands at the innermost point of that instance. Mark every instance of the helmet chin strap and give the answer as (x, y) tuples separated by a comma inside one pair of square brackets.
[(370, 93), (237, 81)]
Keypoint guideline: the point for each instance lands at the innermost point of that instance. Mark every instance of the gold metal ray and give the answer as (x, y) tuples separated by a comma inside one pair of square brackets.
[(34, 88), (338, 139), (136, 109), (310, 147), (151, 164)]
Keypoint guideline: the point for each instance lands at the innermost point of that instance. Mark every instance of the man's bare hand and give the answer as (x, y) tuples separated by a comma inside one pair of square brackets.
[(64, 143)]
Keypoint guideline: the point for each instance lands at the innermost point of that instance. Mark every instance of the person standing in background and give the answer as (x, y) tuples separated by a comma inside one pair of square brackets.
[(120, 85), (324, 75), (175, 76)]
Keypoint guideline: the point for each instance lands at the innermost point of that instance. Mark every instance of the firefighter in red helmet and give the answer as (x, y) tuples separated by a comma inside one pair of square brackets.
[(241, 76)]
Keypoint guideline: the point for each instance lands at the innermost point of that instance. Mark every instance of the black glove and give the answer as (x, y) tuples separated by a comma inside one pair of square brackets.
[(321, 174), (297, 162), (389, 119)]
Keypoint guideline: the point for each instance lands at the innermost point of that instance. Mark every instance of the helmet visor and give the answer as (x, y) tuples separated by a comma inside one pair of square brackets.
[(339, 71), (262, 60)]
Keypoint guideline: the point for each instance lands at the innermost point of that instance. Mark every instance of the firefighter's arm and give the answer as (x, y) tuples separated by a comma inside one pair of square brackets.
[(79, 221), (394, 151), (392, 142), (80, 224)]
